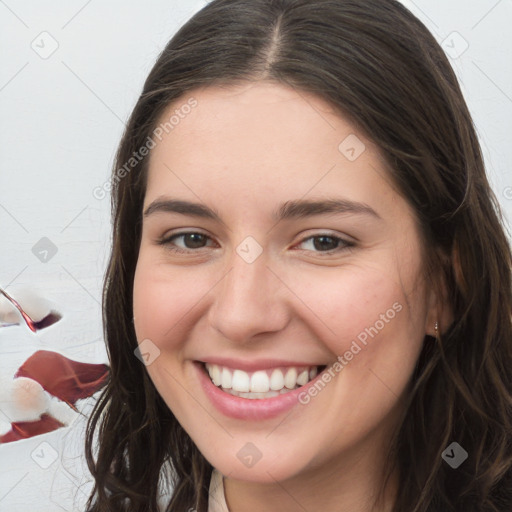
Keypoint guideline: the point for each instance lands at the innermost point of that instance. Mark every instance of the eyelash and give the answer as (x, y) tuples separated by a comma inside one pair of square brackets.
[(342, 243)]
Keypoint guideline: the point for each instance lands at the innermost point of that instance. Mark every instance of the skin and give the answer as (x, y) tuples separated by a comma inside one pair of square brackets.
[(243, 151)]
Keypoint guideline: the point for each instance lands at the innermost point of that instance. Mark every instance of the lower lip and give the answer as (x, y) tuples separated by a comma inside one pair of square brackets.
[(256, 409)]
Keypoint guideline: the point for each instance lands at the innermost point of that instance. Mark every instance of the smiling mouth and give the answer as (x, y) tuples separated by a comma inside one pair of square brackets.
[(261, 383)]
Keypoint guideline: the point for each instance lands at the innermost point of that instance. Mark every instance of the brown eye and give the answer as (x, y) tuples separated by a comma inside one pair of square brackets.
[(324, 243), (186, 241), (194, 240)]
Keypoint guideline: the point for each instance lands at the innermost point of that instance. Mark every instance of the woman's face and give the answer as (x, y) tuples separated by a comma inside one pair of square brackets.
[(274, 245)]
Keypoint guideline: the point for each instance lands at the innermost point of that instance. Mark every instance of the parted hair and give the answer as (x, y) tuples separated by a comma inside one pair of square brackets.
[(379, 66)]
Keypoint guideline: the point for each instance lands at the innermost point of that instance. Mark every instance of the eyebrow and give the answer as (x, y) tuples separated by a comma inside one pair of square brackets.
[(289, 210), (304, 208), (183, 207)]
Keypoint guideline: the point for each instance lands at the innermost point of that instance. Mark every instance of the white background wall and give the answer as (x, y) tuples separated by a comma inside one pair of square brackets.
[(61, 119)]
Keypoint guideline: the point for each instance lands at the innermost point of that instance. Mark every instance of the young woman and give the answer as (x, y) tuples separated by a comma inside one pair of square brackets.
[(308, 300)]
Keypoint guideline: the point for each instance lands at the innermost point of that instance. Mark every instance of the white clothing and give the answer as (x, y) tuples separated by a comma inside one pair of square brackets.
[(217, 500)]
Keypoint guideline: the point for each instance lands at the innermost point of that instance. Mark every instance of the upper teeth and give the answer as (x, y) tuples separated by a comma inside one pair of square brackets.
[(261, 381)]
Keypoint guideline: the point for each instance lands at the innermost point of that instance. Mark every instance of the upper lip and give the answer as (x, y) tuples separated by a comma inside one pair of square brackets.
[(259, 364)]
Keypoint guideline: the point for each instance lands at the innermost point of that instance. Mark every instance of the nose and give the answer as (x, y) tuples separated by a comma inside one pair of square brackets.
[(249, 301)]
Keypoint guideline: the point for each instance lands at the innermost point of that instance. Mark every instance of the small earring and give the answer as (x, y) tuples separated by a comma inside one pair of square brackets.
[(436, 329)]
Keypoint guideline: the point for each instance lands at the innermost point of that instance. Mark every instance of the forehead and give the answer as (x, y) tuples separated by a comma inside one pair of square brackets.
[(252, 117), (261, 139)]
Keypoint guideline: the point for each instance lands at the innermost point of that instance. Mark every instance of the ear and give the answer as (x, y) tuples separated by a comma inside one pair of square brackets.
[(439, 309)]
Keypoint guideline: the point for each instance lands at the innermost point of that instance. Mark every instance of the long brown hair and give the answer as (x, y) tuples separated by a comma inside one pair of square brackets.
[(379, 66)]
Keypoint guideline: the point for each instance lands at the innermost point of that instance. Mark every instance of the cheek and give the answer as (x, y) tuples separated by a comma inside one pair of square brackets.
[(367, 315), (165, 308), (350, 301), (164, 301)]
